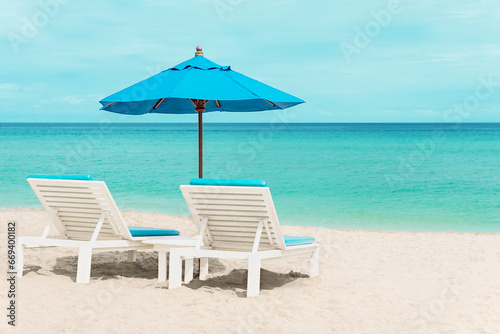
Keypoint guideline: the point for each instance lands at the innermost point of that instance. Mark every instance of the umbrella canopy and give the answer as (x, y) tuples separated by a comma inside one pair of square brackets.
[(195, 86)]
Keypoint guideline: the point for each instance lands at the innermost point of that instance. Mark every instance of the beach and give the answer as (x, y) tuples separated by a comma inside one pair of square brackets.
[(369, 282)]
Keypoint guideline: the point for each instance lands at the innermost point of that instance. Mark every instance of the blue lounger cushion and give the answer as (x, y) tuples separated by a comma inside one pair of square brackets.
[(150, 231), (228, 182), (62, 177), (297, 241)]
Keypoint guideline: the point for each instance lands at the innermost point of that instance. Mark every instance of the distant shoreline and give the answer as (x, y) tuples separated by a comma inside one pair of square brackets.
[(176, 217)]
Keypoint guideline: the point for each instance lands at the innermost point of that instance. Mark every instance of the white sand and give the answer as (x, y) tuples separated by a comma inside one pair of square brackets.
[(369, 282)]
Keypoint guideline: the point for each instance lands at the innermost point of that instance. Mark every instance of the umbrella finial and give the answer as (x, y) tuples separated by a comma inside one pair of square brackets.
[(199, 51)]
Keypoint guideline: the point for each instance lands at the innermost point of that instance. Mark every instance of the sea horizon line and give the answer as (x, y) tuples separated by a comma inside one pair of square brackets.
[(195, 123)]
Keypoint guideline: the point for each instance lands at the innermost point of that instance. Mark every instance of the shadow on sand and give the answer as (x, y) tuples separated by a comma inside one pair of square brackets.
[(111, 265), (236, 281)]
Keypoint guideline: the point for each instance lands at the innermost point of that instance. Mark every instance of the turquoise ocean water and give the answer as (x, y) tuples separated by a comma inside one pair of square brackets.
[(412, 177)]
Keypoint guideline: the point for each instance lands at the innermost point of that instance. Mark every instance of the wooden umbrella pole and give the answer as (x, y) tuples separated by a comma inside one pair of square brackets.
[(200, 108), (200, 144)]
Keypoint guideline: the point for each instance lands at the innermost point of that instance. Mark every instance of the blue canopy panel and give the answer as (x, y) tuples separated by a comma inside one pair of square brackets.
[(184, 106), (197, 78)]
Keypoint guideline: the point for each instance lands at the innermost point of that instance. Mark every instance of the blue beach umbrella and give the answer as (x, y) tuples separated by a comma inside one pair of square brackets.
[(197, 85)]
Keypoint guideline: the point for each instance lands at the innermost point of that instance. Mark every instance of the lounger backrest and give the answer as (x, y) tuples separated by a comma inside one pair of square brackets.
[(233, 214), (79, 206)]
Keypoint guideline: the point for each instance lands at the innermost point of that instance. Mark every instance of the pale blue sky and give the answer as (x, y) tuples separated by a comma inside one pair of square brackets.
[(422, 61)]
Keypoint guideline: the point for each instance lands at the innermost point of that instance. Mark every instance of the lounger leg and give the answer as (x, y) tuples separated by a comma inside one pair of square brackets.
[(314, 269), (203, 268), (175, 270), (131, 255), (188, 270), (162, 266), (19, 258), (253, 284), (84, 261)]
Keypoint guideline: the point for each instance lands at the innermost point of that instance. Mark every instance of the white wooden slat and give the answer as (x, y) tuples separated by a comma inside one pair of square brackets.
[(197, 197), (79, 223), (89, 233), (245, 245), (78, 219), (83, 235), (247, 241), (79, 215), (246, 238), (238, 221), (230, 223), (70, 190), (236, 228), (50, 194), (236, 231), (225, 215), (217, 234), (233, 201), (226, 190), (80, 204), (92, 224), (76, 205), (85, 220), (239, 246), (64, 184), (88, 229), (86, 236), (83, 227), (231, 208), (76, 193), (80, 210), (95, 200)]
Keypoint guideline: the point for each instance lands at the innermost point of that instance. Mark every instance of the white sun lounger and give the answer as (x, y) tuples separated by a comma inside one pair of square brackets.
[(236, 219), (86, 216)]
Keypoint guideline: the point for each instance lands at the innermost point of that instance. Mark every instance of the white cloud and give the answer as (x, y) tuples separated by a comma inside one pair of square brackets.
[(9, 86), (426, 112), (73, 100), (391, 112), (327, 113), (9, 90)]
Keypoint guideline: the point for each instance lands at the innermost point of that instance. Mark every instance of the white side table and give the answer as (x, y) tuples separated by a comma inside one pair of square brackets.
[(163, 245)]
